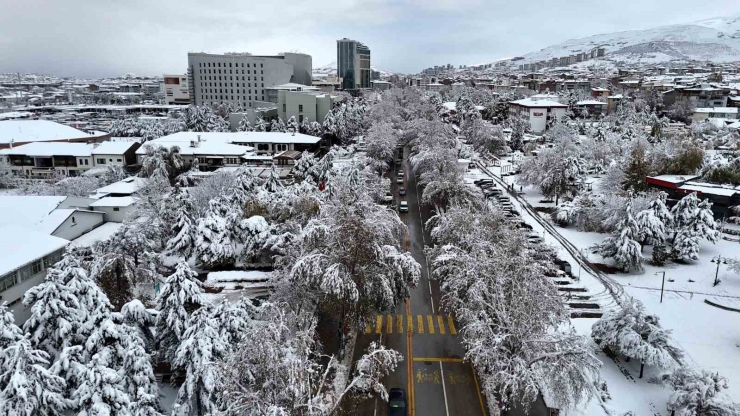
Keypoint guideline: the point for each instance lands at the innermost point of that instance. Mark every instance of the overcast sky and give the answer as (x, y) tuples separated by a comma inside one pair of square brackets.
[(97, 38)]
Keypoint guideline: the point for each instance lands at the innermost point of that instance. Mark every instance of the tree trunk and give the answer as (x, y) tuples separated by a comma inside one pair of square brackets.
[(642, 367)]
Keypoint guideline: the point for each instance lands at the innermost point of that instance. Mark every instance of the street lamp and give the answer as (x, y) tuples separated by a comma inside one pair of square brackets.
[(662, 286), (719, 260)]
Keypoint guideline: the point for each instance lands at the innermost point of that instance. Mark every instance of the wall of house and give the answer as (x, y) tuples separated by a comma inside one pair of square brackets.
[(108, 160), (25, 280), (115, 214), (77, 224)]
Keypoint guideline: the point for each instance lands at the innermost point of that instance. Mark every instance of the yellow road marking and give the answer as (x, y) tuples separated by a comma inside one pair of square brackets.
[(420, 321), (441, 324), (409, 324), (368, 329), (399, 323), (451, 324), (477, 390), (379, 324), (389, 327), (440, 359), (409, 362), (430, 324)]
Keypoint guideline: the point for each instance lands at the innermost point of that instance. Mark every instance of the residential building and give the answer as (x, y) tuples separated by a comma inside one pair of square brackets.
[(385, 85), (353, 64), (241, 79), (125, 187), (715, 112), (265, 143), (305, 105), (44, 159), (20, 132), (537, 113), (115, 208), (592, 107), (59, 216), (25, 256), (704, 96), (328, 84), (175, 89), (272, 92)]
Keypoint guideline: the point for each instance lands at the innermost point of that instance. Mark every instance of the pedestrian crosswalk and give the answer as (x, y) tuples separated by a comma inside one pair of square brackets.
[(420, 324)]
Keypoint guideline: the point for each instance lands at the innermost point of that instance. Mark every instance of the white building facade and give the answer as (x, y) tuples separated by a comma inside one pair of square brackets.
[(537, 113)]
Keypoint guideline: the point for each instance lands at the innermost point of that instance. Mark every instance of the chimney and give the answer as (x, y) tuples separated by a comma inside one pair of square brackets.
[(199, 138), (192, 143)]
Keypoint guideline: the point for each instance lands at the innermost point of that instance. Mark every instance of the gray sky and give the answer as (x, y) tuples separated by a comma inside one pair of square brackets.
[(96, 38)]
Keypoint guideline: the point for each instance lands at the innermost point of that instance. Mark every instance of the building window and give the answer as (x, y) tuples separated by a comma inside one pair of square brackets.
[(300, 108), (263, 147), (284, 108), (101, 161), (52, 259), (118, 160), (74, 221), (300, 118), (282, 147), (116, 209), (7, 281), (36, 267)]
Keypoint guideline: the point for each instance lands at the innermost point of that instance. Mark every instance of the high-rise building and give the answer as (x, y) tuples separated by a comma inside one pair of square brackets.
[(353, 64), (240, 79), (175, 89)]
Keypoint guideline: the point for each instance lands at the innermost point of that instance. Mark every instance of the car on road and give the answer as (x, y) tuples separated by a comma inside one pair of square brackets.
[(403, 207), (388, 197), (397, 404), (402, 191), (400, 173), (400, 180), (482, 181)]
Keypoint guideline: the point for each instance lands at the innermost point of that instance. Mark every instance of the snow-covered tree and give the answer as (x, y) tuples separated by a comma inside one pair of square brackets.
[(381, 144), (623, 246), (304, 168), (260, 125), (143, 320), (55, 313), (232, 319), (183, 227), (244, 124), (272, 183), (693, 221), (556, 171), (28, 387), (138, 376), (277, 126), (632, 332), (292, 125), (697, 394), (215, 245), (178, 299), (201, 345), (115, 273), (101, 391), (651, 229), (9, 331)]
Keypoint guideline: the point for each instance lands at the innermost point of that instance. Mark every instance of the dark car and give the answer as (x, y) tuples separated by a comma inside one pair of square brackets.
[(397, 403), (402, 191)]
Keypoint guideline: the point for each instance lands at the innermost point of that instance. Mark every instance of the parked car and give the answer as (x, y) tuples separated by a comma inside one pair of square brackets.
[(481, 181), (388, 197), (399, 181), (404, 207), (400, 173), (397, 403), (402, 191)]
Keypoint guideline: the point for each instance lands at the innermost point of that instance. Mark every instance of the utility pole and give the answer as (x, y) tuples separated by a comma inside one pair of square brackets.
[(719, 260), (662, 286)]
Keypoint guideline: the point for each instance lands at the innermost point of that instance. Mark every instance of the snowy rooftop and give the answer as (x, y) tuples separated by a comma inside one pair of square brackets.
[(50, 149), (15, 114), (717, 110), (452, 106), (101, 233), (267, 137), (51, 222), (37, 131), (125, 186), (674, 178), (115, 201), (590, 102), (293, 86), (27, 211), (529, 102), (709, 189), (20, 246), (112, 148)]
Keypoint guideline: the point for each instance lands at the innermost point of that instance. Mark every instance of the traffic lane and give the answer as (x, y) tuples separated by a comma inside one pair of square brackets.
[(429, 389), (462, 389)]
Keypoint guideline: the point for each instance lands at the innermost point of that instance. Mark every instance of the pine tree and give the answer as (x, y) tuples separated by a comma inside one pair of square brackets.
[(201, 346), (694, 221), (651, 228), (245, 185), (260, 125), (316, 129), (305, 127), (244, 124), (638, 169), (183, 227), (28, 387), (215, 245), (623, 246), (695, 394), (115, 273), (292, 125), (101, 391), (232, 320), (138, 377), (9, 331), (180, 296), (273, 184), (304, 167), (55, 314)]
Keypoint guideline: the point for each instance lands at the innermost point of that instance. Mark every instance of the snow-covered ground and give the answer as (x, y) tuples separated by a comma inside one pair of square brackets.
[(709, 336)]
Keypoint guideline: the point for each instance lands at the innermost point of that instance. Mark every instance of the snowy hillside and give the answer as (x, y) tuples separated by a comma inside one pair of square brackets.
[(331, 69), (714, 39)]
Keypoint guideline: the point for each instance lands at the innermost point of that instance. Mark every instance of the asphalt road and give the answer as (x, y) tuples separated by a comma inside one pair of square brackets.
[(433, 373)]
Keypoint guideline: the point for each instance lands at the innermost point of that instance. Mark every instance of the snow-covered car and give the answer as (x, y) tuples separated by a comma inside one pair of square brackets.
[(399, 181), (402, 191), (388, 197), (404, 207)]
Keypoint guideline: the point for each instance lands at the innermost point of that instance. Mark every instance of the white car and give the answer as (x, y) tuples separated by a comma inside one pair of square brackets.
[(399, 180), (388, 197), (404, 207)]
